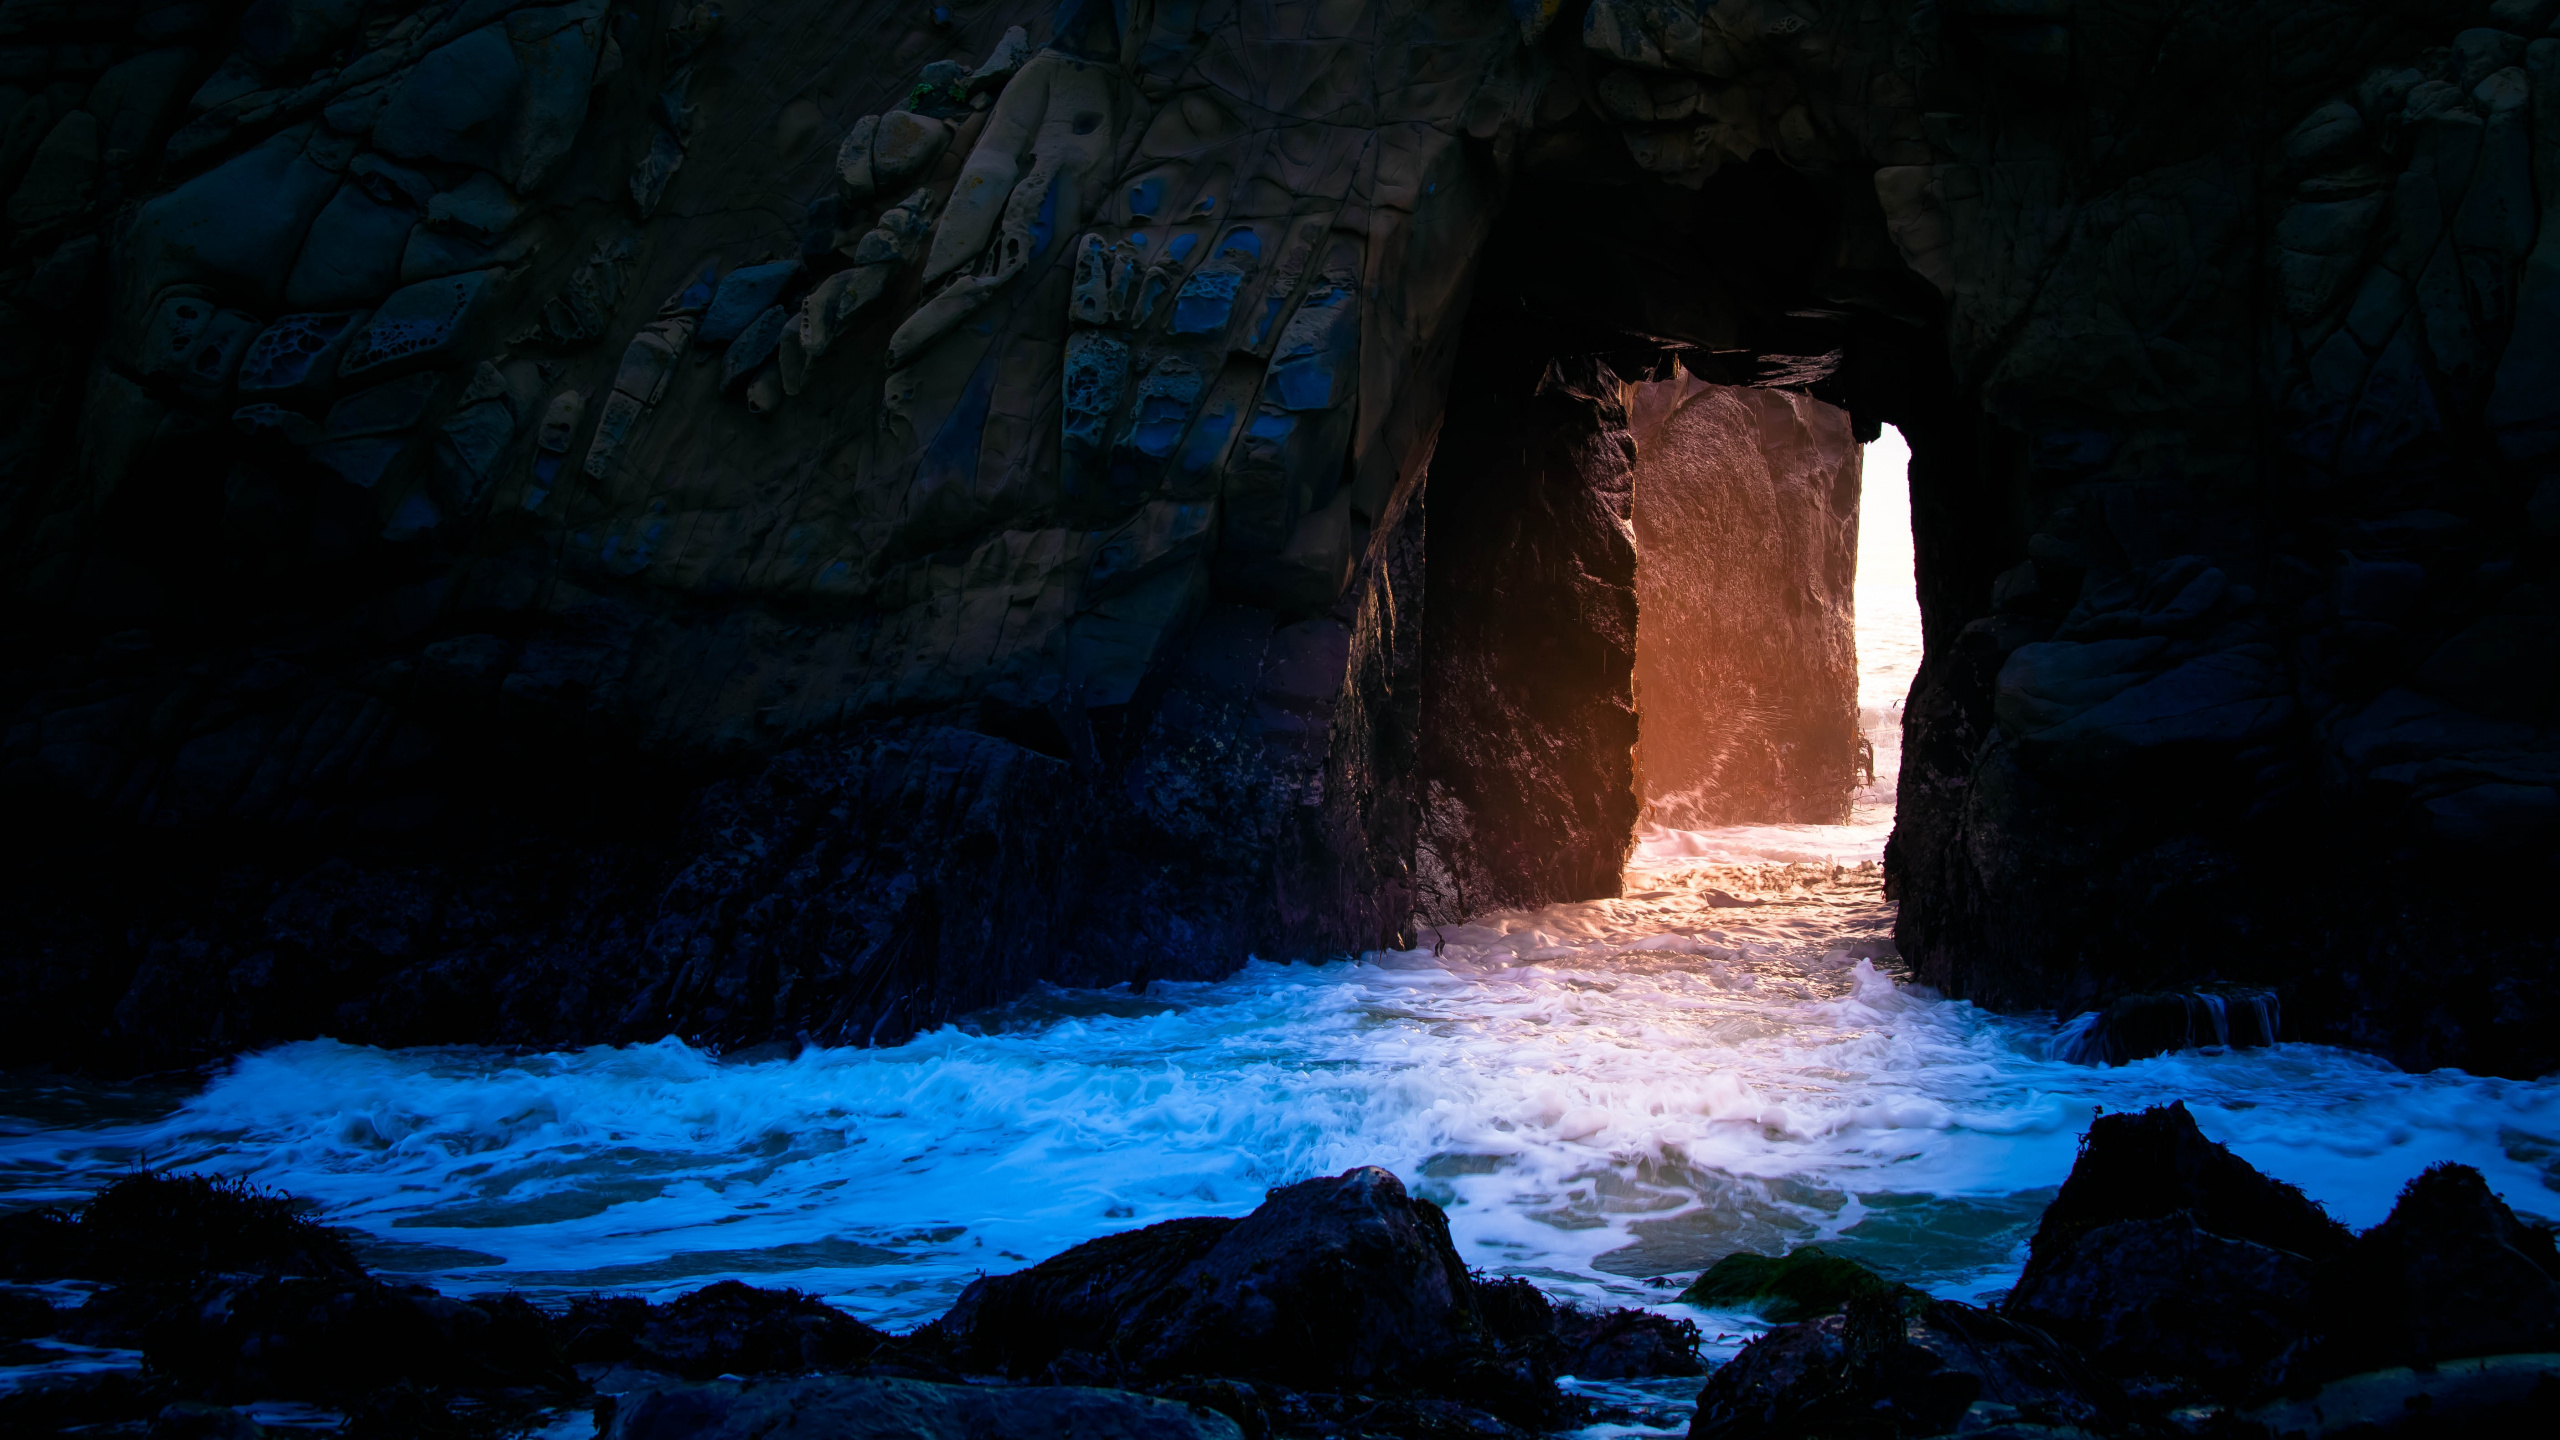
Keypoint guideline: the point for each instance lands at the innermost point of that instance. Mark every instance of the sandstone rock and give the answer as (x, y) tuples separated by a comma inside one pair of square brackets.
[(454, 106), (2156, 1163), (1906, 1365), (351, 254), (860, 1409), (421, 325), (905, 143), (297, 356), (61, 177)]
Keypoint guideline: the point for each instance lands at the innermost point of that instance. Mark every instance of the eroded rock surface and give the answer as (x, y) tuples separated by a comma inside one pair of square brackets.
[(482, 446)]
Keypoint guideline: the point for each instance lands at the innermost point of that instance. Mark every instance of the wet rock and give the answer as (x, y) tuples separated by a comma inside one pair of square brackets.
[(735, 1329), (1623, 1344), (297, 356), (165, 1228), (1329, 1282), (2499, 1395), (2156, 1163), (896, 1409), (744, 295), (339, 1340), (1805, 1283), (1902, 1364), (2450, 1273), (2164, 1298)]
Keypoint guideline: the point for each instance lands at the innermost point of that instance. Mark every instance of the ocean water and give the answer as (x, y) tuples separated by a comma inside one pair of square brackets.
[(1607, 1097)]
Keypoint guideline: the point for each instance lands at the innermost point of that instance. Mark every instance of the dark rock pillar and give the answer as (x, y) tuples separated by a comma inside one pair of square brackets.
[(1526, 770), (1746, 517)]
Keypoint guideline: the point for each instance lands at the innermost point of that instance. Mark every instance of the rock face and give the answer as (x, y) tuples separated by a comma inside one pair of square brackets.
[(530, 466), (1746, 519)]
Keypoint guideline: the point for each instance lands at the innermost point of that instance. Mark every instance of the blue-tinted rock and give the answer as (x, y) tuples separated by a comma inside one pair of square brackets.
[(384, 409), (557, 47), (744, 294), (454, 106), (649, 178), (469, 446), (418, 326), (279, 35), (206, 369), (1202, 305), (291, 426), (352, 254), (361, 463), (1313, 362), (753, 347), (390, 182), (297, 353), (240, 224), (481, 207)]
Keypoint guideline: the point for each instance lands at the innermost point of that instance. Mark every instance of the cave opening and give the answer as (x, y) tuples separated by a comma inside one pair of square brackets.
[(1644, 529)]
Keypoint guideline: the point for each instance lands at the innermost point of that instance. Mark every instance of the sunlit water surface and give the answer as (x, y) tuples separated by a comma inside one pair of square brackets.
[(1608, 1097)]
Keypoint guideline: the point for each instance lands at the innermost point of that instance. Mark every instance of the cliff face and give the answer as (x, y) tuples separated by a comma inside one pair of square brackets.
[(564, 522), (1746, 519)]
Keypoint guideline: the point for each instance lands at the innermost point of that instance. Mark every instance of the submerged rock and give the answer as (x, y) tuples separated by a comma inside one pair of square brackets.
[(1801, 1285)]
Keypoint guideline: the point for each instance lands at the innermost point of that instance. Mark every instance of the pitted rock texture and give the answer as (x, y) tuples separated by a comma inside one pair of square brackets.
[(432, 426)]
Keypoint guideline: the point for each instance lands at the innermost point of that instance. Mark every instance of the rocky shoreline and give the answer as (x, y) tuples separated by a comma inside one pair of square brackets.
[(2170, 1290)]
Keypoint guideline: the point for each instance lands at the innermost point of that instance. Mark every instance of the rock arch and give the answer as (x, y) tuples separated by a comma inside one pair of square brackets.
[(566, 522)]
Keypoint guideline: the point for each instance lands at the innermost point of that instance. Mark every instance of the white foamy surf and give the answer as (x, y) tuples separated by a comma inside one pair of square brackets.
[(1603, 1095)]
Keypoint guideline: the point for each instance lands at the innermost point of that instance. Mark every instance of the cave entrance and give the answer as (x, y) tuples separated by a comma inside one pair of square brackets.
[(1683, 376)]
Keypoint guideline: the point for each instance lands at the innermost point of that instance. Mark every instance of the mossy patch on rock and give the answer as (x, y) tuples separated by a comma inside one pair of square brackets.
[(1797, 1286)]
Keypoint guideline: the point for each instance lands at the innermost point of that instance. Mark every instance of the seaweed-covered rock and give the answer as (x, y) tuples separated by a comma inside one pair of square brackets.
[(156, 1227), (1075, 1301), (338, 1340), (2450, 1273), (1624, 1344), (1803, 1284), (874, 1408)]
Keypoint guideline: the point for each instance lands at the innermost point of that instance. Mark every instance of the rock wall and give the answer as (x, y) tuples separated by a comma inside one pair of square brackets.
[(670, 487), (1746, 671)]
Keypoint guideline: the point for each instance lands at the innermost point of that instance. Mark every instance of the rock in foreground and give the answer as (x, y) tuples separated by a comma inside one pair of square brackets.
[(847, 1408)]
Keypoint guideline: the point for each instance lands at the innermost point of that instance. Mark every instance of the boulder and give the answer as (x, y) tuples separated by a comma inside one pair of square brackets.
[(351, 255), (156, 1227), (240, 224), (1331, 1282), (2450, 1273), (1624, 1344), (2156, 1163), (2162, 1297), (1901, 1364), (456, 105), (880, 1408), (744, 295)]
